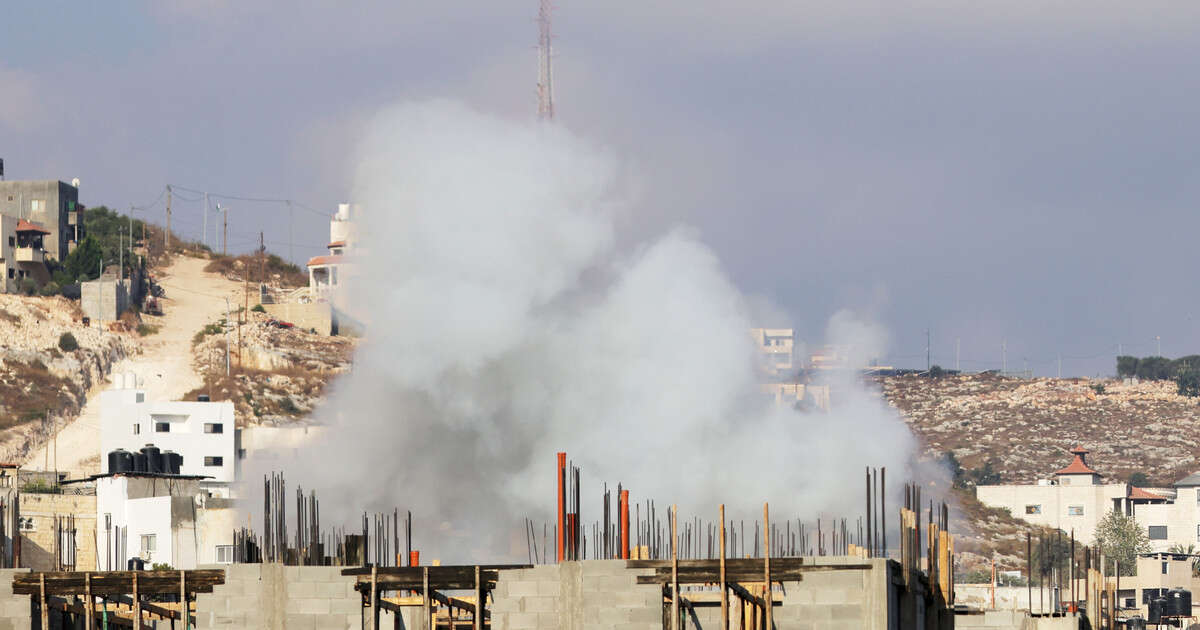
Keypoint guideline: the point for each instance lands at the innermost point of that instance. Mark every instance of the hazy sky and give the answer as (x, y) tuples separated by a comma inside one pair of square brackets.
[(1019, 171)]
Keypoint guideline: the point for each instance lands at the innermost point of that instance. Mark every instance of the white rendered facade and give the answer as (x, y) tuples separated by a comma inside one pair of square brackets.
[(165, 520), (204, 433)]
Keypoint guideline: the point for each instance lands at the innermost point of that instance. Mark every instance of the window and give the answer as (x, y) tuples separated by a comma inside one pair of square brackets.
[(37, 205), (225, 554), (148, 543), (162, 427), (1158, 532), (1198, 533), (1164, 568), (1033, 509), (141, 397), (1074, 510), (214, 461), (26, 524), (214, 427), (137, 429)]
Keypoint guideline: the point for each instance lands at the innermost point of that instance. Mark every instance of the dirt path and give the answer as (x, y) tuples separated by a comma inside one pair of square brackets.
[(163, 366)]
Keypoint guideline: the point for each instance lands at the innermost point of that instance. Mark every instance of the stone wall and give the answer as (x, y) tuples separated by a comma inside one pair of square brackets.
[(37, 544)]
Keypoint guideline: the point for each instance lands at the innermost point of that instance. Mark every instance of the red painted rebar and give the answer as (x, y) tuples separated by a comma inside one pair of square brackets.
[(561, 531), (624, 524)]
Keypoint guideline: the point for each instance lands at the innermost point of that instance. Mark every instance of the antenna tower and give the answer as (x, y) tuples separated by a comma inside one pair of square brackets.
[(545, 72)]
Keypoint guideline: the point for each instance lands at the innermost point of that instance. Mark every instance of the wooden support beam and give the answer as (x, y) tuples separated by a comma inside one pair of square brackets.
[(724, 592), (373, 598), (45, 610), (479, 601), (425, 599), (89, 604), (767, 565), (137, 604), (674, 570)]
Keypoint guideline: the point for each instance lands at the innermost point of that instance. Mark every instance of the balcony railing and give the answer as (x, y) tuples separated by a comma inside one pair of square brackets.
[(30, 254)]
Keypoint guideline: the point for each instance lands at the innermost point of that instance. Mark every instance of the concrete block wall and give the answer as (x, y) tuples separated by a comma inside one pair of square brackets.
[(275, 597), (16, 611), (576, 596)]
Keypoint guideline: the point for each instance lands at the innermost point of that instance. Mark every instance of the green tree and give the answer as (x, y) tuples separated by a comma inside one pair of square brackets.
[(1127, 366), (1154, 369), (957, 474), (83, 263), (1121, 539), (984, 475), (67, 342), (1139, 479), (1051, 550), (1187, 382)]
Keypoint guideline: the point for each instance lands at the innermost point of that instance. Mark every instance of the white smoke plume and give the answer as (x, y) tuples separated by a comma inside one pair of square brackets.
[(504, 326)]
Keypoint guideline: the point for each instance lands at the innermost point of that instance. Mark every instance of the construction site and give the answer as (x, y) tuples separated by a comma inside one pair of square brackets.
[(635, 566)]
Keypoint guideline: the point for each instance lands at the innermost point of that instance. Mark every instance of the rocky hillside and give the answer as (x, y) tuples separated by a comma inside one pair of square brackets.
[(38, 376), (1024, 427), (282, 372)]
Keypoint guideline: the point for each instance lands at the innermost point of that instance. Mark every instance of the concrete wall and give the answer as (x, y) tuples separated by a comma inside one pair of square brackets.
[(315, 315), (275, 597), (576, 596), (16, 611), (37, 545), (103, 300)]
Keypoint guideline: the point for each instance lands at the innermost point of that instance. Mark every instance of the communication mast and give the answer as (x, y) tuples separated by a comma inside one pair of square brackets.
[(545, 72)]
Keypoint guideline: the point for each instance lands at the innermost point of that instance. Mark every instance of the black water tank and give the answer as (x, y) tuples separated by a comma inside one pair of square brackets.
[(202, 398), (153, 461), (164, 463), (1179, 602), (1156, 610), (139, 462), (1135, 623), (170, 462), (116, 461), (137, 564)]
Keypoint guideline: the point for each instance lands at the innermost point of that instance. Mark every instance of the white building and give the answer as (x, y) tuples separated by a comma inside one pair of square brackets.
[(327, 273), (161, 519), (776, 347), (1076, 499), (204, 433)]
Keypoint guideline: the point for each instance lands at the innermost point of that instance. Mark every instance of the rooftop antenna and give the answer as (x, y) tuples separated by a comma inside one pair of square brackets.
[(545, 72)]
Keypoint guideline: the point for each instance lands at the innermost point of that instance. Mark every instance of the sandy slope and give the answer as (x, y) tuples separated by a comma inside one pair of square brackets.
[(164, 364)]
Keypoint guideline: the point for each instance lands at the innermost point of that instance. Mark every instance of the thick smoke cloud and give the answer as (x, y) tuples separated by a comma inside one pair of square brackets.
[(505, 325)]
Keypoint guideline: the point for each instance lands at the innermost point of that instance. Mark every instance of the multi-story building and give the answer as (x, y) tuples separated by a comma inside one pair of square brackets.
[(204, 433), (22, 253), (327, 273), (775, 350), (162, 519), (52, 205), (1076, 499)]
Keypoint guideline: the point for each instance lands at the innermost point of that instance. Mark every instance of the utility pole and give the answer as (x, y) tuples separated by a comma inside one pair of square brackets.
[(545, 86), (204, 238), (226, 327), (167, 236), (291, 230), (1060, 366), (957, 345), (1003, 356), (224, 230), (928, 354), (262, 260)]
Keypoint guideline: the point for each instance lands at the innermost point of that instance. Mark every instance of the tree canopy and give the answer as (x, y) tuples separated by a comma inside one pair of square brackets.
[(1121, 539)]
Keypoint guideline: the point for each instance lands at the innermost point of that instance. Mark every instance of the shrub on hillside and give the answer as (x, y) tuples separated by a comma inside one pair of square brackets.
[(50, 288), (67, 342)]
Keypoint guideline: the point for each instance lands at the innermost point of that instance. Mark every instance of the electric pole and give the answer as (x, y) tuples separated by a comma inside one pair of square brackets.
[(167, 236), (1060, 366), (928, 353), (957, 347), (1003, 356), (204, 238), (545, 86), (1157, 346)]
